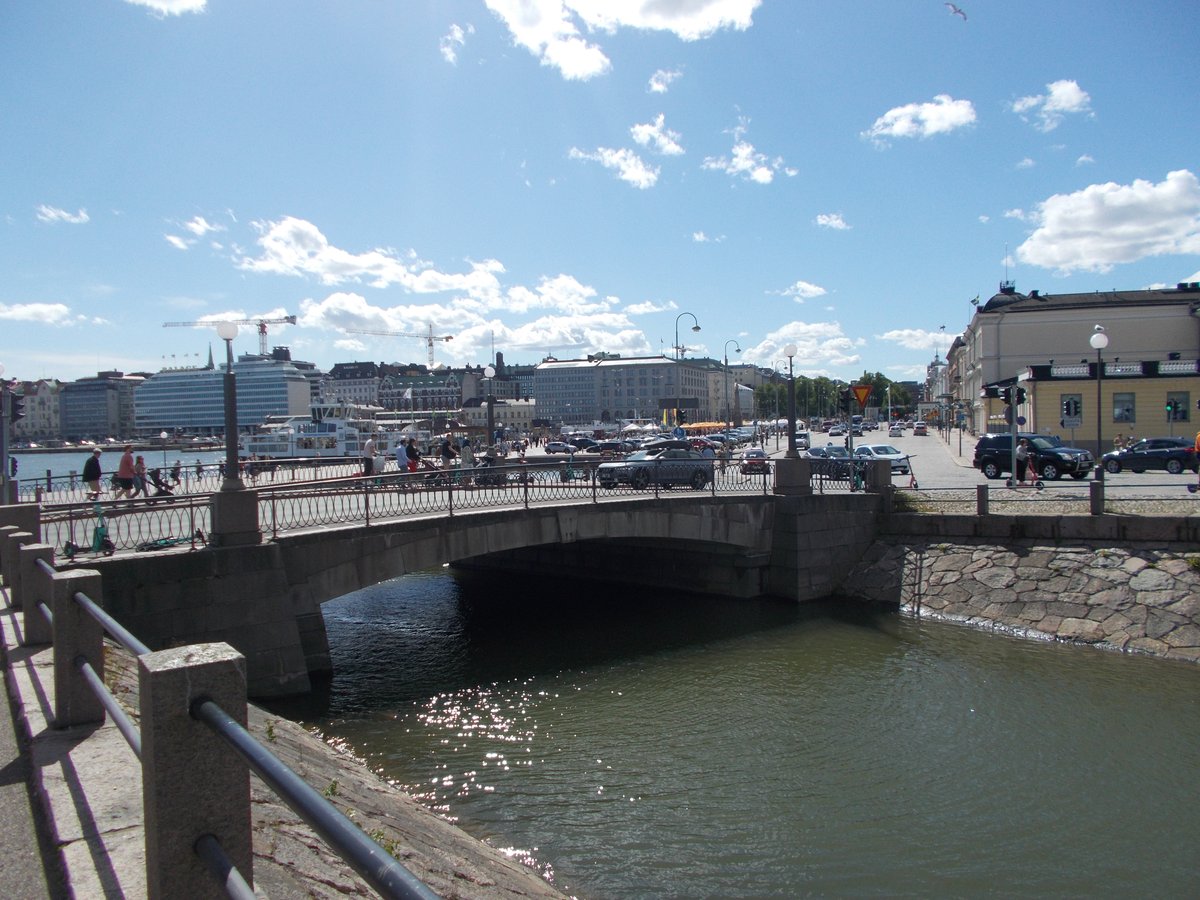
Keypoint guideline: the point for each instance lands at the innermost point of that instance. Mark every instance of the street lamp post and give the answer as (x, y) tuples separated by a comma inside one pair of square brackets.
[(695, 327), (1099, 340), (8, 493), (728, 408), (162, 436), (489, 373), (790, 351), (227, 331)]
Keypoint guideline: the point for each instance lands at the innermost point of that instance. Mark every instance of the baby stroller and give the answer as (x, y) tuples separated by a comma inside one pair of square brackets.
[(489, 472), (435, 475), (161, 488)]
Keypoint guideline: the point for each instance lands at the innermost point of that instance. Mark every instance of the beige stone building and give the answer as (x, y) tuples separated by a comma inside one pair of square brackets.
[(1046, 344)]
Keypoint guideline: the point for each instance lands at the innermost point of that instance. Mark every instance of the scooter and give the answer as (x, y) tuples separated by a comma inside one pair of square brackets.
[(101, 542)]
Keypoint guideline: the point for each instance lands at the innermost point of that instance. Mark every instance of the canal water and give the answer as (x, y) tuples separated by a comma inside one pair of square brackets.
[(656, 745)]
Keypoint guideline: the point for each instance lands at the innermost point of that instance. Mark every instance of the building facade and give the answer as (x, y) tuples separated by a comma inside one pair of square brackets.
[(1084, 394)]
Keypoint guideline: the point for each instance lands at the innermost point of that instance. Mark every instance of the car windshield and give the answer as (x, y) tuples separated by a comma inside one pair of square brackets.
[(1042, 443)]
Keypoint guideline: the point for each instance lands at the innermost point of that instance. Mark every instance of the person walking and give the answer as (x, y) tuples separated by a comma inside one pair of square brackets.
[(125, 474), (92, 474), (139, 477), (412, 454), (369, 456)]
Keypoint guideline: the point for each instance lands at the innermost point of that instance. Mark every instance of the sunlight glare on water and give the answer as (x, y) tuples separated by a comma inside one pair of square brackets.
[(679, 746)]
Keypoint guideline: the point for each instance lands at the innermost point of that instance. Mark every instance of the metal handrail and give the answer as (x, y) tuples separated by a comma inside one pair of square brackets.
[(367, 858)]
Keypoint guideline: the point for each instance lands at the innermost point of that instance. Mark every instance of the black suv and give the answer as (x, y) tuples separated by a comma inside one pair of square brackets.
[(1047, 456)]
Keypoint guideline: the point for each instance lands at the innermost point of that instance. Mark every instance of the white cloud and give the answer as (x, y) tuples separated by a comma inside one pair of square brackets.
[(1084, 160), (700, 237), (656, 135), (833, 221), (1026, 163), (46, 313), (818, 345), (455, 38), (177, 242), (1018, 214), (627, 164), (171, 7), (199, 226), (550, 29), (941, 116), (803, 290), (1062, 98), (915, 338), (1106, 224), (746, 162), (53, 214), (983, 220), (661, 80), (292, 246)]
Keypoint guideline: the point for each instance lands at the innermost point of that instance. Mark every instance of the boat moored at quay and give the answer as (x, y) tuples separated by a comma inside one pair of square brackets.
[(332, 429)]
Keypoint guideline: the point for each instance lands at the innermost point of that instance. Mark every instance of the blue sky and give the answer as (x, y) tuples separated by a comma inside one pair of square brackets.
[(561, 177)]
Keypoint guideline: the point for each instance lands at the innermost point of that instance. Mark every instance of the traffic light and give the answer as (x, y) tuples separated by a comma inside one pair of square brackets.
[(1170, 409), (1020, 395), (16, 408), (1006, 395), (1066, 407), (680, 417), (844, 400)]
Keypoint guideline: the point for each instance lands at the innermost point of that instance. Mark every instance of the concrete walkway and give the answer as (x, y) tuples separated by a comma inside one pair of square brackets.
[(31, 867)]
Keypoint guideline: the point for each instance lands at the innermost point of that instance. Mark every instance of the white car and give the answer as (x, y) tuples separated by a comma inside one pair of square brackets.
[(898, 460), (895, 431), (803, 440)]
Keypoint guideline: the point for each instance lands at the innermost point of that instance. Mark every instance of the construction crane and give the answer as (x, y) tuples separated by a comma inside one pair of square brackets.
[(429, 338), (260, 324)]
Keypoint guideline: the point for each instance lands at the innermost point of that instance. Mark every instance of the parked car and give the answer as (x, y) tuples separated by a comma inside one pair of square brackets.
[(920, 429), (559, 447), (754, 462), (667, 466), (1048, 457), (1171, 454), (898, 460), (582, 443)]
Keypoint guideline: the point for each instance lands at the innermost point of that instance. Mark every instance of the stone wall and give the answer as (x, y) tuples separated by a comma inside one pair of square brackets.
[(1125, 596)]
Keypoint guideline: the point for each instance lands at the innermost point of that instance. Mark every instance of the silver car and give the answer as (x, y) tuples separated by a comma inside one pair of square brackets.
[(667, 466)]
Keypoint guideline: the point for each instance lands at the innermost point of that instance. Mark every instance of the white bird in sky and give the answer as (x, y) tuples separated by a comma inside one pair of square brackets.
[(955, 11)]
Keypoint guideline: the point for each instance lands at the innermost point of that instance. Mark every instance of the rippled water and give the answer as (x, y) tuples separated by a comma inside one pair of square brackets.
[(675, 746)]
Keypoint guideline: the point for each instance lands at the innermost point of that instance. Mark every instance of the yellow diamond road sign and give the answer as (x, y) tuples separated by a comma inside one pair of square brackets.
[(861, 393)]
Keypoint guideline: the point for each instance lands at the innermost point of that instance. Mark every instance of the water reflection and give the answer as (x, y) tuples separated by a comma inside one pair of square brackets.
[(665, 746)]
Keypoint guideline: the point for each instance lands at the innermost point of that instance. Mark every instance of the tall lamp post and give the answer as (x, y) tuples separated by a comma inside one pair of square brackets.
[(790, 351), (7, 493), (227, 331), (695, 327), (489, 373), (728, 408), (1099, 340)]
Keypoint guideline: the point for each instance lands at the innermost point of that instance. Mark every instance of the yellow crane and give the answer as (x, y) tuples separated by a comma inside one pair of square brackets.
[(429, 337), (260, 324)]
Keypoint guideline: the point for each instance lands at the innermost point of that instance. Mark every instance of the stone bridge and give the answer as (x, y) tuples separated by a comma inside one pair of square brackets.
[(265, 599)]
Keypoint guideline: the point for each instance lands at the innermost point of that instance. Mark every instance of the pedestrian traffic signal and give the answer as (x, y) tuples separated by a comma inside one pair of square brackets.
[(1006, 395), (1066, 407)]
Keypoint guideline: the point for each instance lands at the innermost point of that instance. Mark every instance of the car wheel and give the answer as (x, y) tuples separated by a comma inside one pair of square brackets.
[(1112, 467), (1051, 472), (698, 480), (990, 470), (1174, 466), (1079, 476), (640, 479)]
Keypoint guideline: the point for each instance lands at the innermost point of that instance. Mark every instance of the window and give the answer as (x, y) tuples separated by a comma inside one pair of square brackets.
[(1124, 408), (1178, 404)]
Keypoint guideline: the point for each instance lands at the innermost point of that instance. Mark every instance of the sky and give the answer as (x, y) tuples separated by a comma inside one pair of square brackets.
[(565, 177)]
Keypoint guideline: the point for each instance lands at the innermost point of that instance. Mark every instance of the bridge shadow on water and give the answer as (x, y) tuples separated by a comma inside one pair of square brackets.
[(414, 637)]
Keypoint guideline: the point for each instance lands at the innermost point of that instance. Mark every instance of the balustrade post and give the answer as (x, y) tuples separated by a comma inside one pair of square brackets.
[(1096, 494), (367, 504), (36, 587), (76, 634), (10, 565), (981, 499), (193, 782)]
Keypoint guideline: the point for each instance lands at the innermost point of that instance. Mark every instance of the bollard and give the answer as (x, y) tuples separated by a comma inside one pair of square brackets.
[(981, 499), (37, 590), (1096, 494), (76, 634), (193, 783)]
